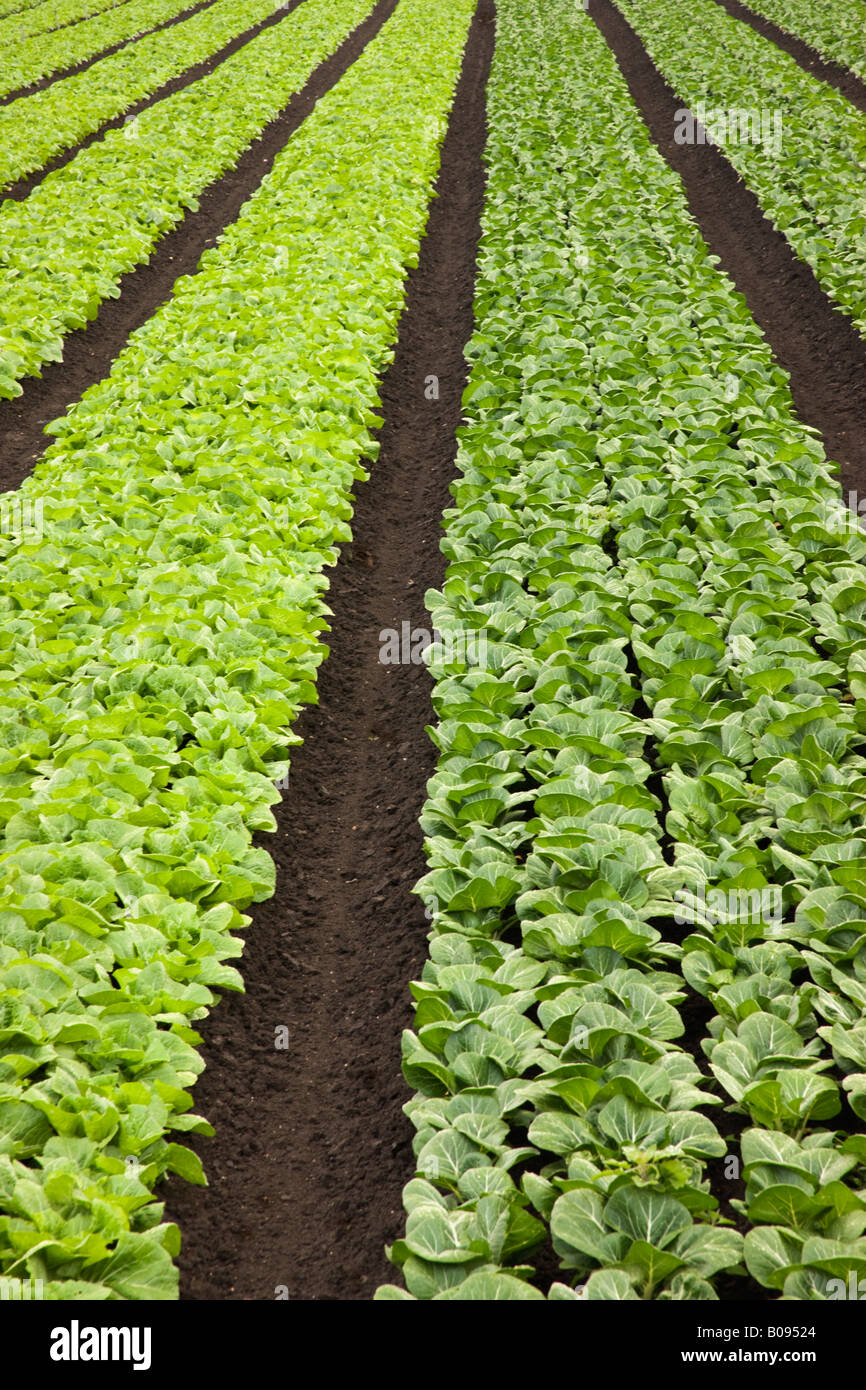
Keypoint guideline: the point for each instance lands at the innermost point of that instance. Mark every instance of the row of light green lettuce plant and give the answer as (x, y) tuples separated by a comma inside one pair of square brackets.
[(8, 7), (159, 639), (650, 784), (51, 15), (37, 127), (65, 248), (27, 59)]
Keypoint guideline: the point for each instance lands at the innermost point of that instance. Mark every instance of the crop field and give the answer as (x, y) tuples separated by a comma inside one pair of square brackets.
[(433, 632)]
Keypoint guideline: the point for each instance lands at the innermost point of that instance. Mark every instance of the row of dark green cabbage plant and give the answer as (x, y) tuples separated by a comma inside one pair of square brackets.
[(646, 864), (795, 141)]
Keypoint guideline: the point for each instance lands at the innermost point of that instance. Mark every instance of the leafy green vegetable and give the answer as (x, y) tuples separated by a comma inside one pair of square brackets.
[(835, 28), (667, 730), (780, 115), (36, 127), (29, 55), (42, 19), (65, 248)]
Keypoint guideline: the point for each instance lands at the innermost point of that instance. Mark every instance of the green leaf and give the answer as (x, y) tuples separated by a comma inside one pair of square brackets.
[(577, 1223), (771, 1254), (138, 1269), (608, 1285), (646, 1216), (486, 1286)]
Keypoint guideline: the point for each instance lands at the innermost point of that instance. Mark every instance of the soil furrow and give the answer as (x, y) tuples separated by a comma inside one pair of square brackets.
[(812, 340), (311, 1149), (834, 74), (24, 187), (42, 82), (89, 352)]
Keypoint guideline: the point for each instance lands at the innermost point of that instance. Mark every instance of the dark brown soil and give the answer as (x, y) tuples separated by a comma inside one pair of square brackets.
[(46, 81), (311, 1150), (24, 187), (812, 340), (836, 74), (89, 353)]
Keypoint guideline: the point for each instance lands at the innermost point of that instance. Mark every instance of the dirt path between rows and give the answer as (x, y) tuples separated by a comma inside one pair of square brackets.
[(89, 353), (312, 1149), (835, 74), (22, 188), (810, 338)]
